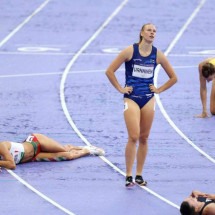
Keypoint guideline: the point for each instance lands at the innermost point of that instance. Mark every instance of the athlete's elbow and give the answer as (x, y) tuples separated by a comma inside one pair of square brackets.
[(174, 79), (108, 73), (11, 166)]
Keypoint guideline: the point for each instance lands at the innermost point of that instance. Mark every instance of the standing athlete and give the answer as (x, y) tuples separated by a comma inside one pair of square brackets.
[(140, 61)]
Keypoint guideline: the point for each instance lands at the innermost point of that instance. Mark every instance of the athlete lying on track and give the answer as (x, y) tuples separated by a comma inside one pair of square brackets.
[(198, 203), (38, 147)]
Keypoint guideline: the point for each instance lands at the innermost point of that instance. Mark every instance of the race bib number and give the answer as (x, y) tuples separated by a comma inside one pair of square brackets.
[(29, 139), (143, 71)]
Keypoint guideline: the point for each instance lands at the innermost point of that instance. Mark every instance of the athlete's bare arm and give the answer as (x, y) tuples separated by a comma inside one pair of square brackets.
[(123, 56), (8, 161), (163, 61)]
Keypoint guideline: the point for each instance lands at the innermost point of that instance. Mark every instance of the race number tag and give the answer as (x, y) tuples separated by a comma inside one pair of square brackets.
[(29, 139), (143, 71)]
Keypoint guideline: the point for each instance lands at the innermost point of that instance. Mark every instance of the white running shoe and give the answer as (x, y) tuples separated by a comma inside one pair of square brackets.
[(95, 150)]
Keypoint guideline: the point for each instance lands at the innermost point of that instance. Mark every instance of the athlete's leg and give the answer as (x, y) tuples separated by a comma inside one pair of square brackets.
[(61, 156), (212, 99), (147, 116), (50, 145), (132, 120)]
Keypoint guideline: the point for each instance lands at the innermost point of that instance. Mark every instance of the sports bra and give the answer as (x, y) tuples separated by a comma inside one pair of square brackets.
[(206, 201)]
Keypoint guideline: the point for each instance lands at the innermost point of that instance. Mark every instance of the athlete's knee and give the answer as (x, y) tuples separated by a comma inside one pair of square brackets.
[(133, 138), (143, 139)]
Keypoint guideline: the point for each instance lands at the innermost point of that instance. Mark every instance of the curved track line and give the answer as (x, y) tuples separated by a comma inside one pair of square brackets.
[(178, 36), (66, 112), (9, 171), (40, 194), (24, 22)]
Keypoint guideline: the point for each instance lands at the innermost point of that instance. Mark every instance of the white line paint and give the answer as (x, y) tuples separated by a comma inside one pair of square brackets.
[(178, 36), (66, 71), (9, 171), (23, 23), (96, 54), (40, 194), (66, 112), (74, 72)]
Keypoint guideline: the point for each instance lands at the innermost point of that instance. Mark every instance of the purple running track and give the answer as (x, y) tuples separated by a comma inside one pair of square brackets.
[(33, 61)]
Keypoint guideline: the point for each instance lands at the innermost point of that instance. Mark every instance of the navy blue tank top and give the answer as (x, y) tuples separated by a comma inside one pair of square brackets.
[(139, 71)]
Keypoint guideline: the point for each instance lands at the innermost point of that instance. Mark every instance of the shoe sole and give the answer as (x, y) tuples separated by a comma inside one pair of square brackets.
[(143, 184), (130, 185)]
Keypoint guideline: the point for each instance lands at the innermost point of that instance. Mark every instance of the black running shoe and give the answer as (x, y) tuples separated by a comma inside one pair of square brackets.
[(139, 180), (129, 181)]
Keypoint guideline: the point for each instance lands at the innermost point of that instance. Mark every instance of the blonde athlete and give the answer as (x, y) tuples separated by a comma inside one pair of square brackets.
[(198, 203), (38, 147), (207, 74), (140, 61)]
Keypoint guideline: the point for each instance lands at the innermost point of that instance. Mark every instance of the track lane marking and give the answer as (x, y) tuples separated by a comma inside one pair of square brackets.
[(65, 109), (162, 109)]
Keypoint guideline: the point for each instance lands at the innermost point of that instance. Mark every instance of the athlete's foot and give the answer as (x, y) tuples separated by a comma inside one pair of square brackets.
[(93, 150), (139, 180), (129, 181)]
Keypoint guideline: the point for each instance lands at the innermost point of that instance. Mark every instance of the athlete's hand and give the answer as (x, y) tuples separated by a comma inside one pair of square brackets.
[(202, 115), (153, 89), (127, 90), (210, 196)]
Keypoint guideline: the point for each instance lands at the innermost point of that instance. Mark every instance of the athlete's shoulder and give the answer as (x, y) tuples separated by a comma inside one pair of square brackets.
[(160, 56), (209, 209), (129, 48), (127, 53)]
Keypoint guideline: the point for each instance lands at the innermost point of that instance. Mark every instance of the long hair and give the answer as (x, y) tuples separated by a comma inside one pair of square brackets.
[(186, 209), (208, 69)]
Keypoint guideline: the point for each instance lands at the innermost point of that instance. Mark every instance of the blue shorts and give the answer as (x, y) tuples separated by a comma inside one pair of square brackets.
[(140, 100)]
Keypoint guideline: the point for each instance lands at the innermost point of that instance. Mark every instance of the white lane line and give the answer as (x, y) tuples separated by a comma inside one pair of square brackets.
[(74, 72), (178, 36), (40, 194), (9, 171), (66, 112), (23, 23), (99, 54)]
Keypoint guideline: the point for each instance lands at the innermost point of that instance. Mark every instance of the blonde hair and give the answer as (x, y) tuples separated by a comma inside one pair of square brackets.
[(140, 37)]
